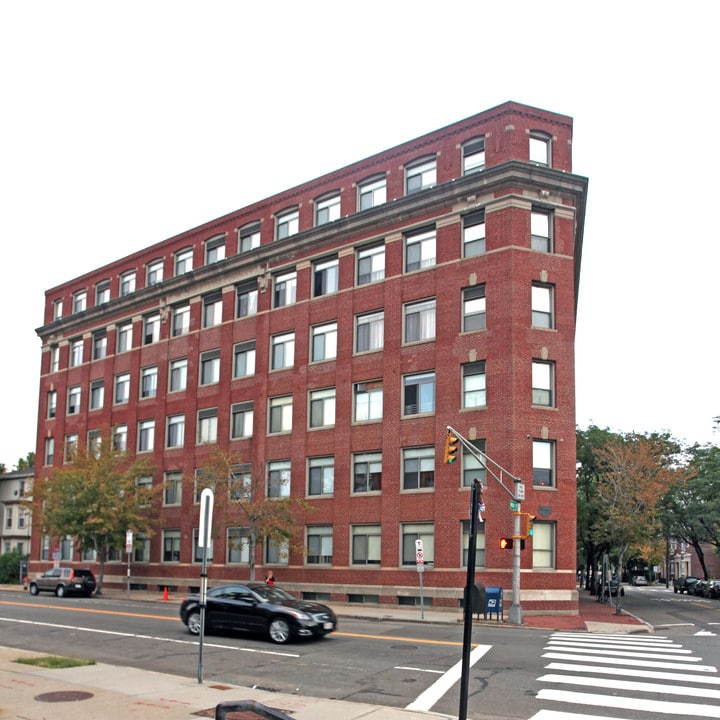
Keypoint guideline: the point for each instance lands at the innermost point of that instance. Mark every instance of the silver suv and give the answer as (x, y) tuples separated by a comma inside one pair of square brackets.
[(64, 581)]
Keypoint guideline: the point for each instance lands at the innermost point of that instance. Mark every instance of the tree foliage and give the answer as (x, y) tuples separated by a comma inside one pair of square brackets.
[(241, 501), (96, 499)]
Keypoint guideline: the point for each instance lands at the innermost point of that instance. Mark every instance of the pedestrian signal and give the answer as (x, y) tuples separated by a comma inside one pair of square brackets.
[(506, 543)]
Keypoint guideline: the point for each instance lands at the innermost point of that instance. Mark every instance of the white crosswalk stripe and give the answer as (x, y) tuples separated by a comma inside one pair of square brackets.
[(643, 676)]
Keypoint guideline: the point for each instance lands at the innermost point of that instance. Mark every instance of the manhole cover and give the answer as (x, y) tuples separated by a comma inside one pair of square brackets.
[(63, 696)]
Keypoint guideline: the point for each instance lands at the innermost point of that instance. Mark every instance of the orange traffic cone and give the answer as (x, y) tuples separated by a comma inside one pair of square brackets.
[(165, 594)]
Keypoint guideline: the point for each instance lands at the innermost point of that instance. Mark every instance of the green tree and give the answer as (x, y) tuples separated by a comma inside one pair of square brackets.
[(96, 499), (28, 463), (240, 500)]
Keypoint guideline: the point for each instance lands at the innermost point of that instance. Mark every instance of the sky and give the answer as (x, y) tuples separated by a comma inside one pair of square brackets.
[(125, 123)]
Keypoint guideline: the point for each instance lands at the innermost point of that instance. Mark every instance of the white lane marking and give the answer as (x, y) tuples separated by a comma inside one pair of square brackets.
[(614, 684), (631, 663), (620, 654), (137, 636), (625, 703), (558, 715), (429, 697), (640, 639), (635, 672), (417, 669), (668, 649), (615, 643)]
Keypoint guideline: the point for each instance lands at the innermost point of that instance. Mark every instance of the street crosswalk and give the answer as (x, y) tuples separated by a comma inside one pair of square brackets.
[(592, 676)]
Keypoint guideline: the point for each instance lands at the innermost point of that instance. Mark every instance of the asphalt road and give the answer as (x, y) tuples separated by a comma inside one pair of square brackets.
[(399, 664)]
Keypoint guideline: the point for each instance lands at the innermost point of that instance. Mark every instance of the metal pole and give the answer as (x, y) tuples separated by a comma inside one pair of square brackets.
[(203, 585), (515, 615)]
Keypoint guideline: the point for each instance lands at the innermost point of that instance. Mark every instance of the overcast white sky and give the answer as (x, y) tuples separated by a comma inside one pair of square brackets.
[(124, 123)]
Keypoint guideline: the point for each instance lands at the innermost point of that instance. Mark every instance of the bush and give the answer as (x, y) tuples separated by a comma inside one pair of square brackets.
[(10, 567)]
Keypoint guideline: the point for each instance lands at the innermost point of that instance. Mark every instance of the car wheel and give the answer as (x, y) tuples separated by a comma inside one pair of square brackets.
[(60, 591), (279, 630), (193, 622), (33, 589)]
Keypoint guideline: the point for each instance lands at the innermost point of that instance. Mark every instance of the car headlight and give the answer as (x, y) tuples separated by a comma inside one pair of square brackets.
[(299, 615)]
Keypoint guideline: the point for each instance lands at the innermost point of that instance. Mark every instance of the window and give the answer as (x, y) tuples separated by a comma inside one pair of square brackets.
[(175, 431), (418, 468), (474, 313), (540, 238), (148, 382), (420, 321), (322, 408), (146, 435), (215, 249), (57, 309), (543, 463), (74, 395), (542, 306), (154, 273), (54, 358), (543, 383), (327, 209), (369, 331), (99, 345), (474, 385), (279, 479), (370, 264), (473, 155), (94, 442), (367, 472), (212, 309), (183, 261), (180, 320), (325, 277), (321, 475), (371, 193), (210, 367), (127, 283), (102, 292), (319, 545), (282, 351), (419, 250), (76, 352), (247, 300), (479, 543), (141, 550), (171, 545), (238, 545), (368, 401), (241, 420), (240, 482), (419, 391), (474, 233), (244, 359), (418, 531), (540, 144), (543, 543), (420, 175), (97, 394), (366, 545), (178, 374), (207, 426), (472, 468), (79, 301), (120, 438), (151, 329), (287, 223), (52, 404), (71, 446), (285, 288), (323, 342), (249, 237), (49, 450), (124, 337), (276, 552), (122, 388), (280, 414)]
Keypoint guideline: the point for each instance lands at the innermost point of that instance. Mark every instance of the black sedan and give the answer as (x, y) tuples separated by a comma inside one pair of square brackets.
[(258, 608)]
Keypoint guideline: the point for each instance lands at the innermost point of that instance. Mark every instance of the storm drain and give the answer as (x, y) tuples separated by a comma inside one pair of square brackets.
[(64, 696)]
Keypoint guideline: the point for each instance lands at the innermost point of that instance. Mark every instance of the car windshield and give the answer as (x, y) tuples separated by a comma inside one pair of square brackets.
[(272, 593)]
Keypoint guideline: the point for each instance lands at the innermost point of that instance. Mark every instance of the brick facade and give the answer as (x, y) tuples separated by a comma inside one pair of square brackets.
[(445, 274)]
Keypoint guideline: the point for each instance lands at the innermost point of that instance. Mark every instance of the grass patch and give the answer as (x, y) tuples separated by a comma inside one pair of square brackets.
[(54, 662)]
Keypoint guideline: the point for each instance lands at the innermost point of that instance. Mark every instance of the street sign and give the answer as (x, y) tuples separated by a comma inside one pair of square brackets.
[(128, 541), (420, 567), (514, 504), (519, 491)]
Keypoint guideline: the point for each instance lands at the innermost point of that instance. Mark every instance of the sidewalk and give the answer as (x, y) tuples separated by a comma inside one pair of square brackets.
[(106, 692)]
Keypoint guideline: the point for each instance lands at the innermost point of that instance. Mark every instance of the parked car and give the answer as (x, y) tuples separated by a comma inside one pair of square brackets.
[(639, 580), (684, 583), (698, 588), (64, 581), (615, 586), (712, 589), (258, 608)]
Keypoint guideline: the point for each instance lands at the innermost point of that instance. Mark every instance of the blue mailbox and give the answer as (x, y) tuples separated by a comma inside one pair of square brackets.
[(493, 602)]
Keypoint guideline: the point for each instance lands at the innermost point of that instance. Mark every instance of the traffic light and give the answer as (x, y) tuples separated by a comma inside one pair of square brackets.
[(530, 519), (506, 543), (451, 447)]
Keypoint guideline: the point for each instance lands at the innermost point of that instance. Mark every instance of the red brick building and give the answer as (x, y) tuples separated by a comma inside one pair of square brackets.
[(328, 335)]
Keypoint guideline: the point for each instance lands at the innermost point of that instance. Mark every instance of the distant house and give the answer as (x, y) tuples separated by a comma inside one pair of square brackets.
[(16, 518)]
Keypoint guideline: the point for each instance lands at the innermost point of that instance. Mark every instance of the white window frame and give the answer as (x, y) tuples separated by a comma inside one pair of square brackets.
[(473, 155), (543, 383), (420, 175), (102, 292), (368, 401), (327, 209), (366, 545), (280, 409), (207, 426), (282, 351), (128, 283), (474, 241), (244, 354), (372, 192), (541, 235), (544, 545), (79, 301), (540, 148), (474, 308), (175, 431), (76, 353), (321, 476), (146, 435), (285, 289), (409, 533), (151, 329), (97, 394), (249, 237), (423, 315), (319, 545), (246, 300), (177, 376), (542, 303), (326, 277), (210, 367), (121, 391), (278, 478), (287, 223), (241, 420), (544, 463), (370, 327), (183, 261), (423, 244), (154, 272), (74, 399), (370, 264), (367, 473), (212, 306), (422, 385), (323, 342), (215, 249), (180, 320), (124, 337), (321, 408), (418, 463), (474, 385)]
